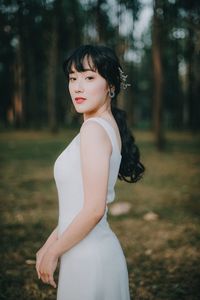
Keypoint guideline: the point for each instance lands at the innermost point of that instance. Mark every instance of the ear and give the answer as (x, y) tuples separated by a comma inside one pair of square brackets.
[(111, 87)]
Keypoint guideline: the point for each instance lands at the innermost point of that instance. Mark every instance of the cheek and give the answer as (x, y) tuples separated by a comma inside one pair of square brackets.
[(69, 88), (99, 89)]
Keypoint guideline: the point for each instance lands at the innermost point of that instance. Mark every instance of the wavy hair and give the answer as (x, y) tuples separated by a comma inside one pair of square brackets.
[(104, 60)]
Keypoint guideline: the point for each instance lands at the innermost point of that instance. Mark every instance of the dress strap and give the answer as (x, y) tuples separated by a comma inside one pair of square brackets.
[(110, 131)]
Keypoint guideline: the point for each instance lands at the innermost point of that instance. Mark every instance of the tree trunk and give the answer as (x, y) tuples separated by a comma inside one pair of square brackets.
[(51, 76), (158, 77), (99, 21), (31, 103), (178, 99), (18, 88), (191, 81)]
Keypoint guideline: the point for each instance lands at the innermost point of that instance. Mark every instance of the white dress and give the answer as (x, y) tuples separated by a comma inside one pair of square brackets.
[(95, 268)]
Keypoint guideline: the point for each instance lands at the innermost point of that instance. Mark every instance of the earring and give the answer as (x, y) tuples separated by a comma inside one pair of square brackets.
[(111, 94)]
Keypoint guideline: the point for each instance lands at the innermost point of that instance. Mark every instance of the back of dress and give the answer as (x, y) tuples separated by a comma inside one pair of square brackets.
[(95, 268)]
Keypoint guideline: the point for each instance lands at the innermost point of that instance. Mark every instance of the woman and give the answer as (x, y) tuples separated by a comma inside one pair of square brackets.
[(92, 263)]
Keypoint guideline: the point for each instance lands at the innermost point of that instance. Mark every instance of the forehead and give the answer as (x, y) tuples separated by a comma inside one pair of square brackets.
[(86, 64)]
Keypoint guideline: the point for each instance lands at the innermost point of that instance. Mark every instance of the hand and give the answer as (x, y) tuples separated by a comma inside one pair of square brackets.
[(39, 256), (47, 267)]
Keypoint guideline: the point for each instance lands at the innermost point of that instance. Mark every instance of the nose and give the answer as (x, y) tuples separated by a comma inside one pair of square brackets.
[(78, 86)]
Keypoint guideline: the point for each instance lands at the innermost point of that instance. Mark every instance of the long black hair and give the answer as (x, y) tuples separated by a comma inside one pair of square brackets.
[(104, 60)]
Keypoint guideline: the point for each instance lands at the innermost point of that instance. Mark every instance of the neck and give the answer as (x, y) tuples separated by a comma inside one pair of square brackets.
[(102, 112)]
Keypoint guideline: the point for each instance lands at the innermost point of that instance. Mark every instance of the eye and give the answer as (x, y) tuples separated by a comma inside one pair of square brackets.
[(89, 77), (72, 78)]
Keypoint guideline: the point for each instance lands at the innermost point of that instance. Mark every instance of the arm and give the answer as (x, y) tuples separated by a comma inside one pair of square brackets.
[(51, 239), (95, 148)]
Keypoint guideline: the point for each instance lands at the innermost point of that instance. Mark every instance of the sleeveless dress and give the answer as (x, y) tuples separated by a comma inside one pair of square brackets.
[(95, 268)]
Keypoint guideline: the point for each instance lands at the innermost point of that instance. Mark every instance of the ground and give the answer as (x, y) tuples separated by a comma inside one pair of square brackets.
[(162, 255)]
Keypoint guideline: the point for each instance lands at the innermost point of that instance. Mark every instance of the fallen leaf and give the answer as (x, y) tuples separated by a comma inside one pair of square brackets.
[(120, 208), (150, 216)]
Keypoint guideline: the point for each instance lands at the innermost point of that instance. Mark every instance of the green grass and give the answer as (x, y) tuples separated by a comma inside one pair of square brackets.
[(163, 256)]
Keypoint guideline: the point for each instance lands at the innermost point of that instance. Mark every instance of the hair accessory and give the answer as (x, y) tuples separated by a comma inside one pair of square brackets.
[(123, 77)]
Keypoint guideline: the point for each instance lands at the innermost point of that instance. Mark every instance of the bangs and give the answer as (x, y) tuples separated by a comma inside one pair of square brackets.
[(79, 59)]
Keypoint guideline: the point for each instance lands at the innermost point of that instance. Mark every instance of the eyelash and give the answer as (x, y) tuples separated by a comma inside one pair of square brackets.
[(88, 77)]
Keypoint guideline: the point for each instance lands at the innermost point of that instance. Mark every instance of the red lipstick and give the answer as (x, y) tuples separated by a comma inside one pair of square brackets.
[(79, 100)]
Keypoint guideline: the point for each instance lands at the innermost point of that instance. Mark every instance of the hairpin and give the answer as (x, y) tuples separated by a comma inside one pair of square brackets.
[(123, 77)]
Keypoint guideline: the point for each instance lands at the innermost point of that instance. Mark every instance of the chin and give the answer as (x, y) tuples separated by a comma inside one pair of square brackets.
[(82, 109)]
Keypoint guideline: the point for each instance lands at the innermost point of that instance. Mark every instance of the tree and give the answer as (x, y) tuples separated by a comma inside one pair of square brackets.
[(189, 12), (158, 73)]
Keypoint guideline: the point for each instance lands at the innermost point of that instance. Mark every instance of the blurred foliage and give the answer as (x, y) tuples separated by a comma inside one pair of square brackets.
[(36, 36)]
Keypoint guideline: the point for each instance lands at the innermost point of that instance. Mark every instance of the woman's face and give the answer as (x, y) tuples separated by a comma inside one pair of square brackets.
[(88, 90)]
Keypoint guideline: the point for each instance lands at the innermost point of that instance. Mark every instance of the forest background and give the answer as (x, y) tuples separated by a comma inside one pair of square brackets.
[(162, 63), (157, 219)]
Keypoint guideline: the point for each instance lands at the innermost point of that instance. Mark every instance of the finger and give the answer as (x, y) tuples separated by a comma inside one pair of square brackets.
[(44, 277), (38, 273), (37, 270), (36, 267), (51, 281)]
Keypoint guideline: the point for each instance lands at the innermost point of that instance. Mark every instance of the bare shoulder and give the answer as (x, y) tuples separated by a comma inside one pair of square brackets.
[(92, 132), (92, 127)]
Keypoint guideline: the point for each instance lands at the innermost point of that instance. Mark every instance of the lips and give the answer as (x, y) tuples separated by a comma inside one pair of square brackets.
[(79, 100)]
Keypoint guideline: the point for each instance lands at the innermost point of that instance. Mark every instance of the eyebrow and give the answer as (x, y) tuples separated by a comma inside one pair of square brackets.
[(85, 70)]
